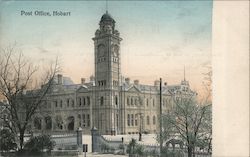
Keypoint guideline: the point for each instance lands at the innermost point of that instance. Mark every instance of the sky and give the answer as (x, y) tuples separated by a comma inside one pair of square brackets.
[(159, 37)]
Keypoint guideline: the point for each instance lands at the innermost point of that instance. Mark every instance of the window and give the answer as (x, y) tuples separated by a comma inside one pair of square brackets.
[(135, 101), (132, 120), (79, 120), (116, 100), (88, 100), (68, 102), (153, 102), (102, 101), (61, 103), (136, 120), (84, 101), (80, 101), (83, 120), (132, 103), (147, 101), (153, 120), (88, 120), (72, 103), (128, 119), (128, 101), (117, 120), (55, 103), (148, 120)]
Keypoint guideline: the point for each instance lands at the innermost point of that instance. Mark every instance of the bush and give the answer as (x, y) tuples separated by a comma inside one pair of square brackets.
[(7, 140), (39, 143)]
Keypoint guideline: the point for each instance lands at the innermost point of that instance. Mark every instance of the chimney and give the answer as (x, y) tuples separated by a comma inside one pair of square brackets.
[(82, 80), (136, 82), (127, 80), (92, 78), (60, 79), (157, 83)]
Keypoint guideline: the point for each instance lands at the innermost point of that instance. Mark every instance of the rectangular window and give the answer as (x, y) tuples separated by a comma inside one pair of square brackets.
[(61, 103), (128, 119), (88, 120), (84, 101), (132, 120), (68, 102), (83, 120), (136, 117), (102, 101), (88, 100), (79, 101)]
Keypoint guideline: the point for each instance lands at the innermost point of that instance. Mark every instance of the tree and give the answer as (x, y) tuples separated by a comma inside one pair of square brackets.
[(7, 140), (187, 120), (131, 146), (20, 86), (39, 143)]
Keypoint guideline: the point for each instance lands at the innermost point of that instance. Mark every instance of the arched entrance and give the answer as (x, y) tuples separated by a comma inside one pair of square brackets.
[(71, 123), (48, 123), (38, 123), (59, 122)]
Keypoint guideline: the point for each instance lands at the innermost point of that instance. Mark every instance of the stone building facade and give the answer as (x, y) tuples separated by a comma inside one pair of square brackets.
[(111, 103)]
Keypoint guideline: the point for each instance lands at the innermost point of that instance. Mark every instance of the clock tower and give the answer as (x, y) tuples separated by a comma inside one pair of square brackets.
[(107, 75)]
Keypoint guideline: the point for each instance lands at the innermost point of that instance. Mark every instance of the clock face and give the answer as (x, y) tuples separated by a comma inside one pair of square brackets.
[(101, 50), (115, 50)]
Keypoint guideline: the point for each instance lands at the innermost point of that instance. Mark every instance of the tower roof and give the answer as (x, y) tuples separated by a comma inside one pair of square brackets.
[(107, 17)]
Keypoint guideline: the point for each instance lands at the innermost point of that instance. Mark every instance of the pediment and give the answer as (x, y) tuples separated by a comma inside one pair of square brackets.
[(83, 89), (134, 89)]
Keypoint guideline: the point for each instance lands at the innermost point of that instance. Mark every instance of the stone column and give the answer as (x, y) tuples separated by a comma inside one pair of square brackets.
[(79, 139), (94, 134)]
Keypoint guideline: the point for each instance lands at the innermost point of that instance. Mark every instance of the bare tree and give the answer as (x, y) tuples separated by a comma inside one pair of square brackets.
[(24, 87), (187, 120)]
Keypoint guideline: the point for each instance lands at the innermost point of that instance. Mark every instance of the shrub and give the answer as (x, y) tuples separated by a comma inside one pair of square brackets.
[(7, 140), (40, 143)]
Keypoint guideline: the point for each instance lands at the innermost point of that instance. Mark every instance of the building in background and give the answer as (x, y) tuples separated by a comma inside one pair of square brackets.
[(108, 101)]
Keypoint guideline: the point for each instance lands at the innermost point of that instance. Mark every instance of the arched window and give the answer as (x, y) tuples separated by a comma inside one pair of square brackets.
[(59, 122), (38, 123), (48, 123), (154, 120), (71, 123), (148, 120)]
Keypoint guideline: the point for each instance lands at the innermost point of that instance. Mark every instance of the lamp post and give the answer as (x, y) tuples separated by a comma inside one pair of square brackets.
[(161, 141)]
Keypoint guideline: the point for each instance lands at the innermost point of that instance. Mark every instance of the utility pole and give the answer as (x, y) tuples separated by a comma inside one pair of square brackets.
[(161, 117)]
